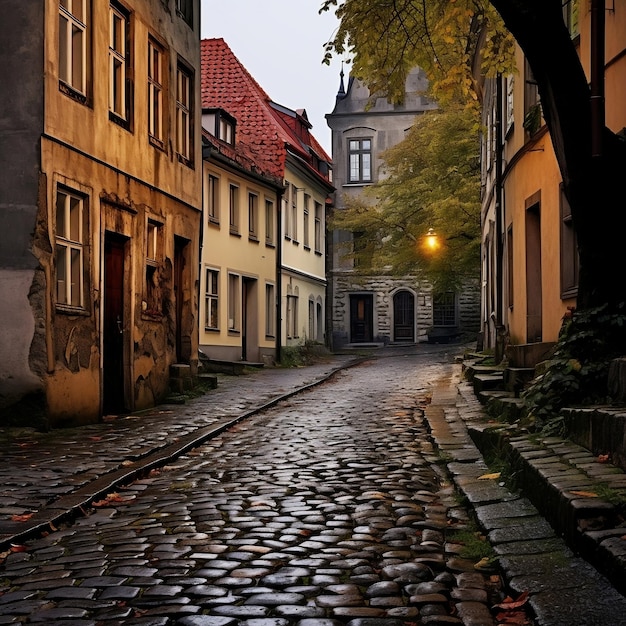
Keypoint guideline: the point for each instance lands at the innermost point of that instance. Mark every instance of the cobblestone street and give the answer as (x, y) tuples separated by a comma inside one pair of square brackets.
[(329, 508)]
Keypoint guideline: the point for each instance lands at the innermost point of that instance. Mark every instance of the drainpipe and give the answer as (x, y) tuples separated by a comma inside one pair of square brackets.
[(499, 223), (597, 76)]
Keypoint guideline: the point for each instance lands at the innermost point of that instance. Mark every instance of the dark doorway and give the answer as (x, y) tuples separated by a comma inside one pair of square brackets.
[(404, 316), (361, 318), (249, 320), (181, 286), (534, 295), (113, 397)]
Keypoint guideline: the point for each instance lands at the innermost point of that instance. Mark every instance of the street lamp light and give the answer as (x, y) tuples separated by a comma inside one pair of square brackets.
[(432, 242)]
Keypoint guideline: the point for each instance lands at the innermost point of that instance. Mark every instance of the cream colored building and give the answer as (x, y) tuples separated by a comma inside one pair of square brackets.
[(280, 145), (101, 207), (238, 283)]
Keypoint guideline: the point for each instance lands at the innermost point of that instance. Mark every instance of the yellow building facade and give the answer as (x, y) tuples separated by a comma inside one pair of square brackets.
[(112, 264)]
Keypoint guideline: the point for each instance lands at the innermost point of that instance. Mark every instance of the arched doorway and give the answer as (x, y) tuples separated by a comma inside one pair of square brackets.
[(404, 316)]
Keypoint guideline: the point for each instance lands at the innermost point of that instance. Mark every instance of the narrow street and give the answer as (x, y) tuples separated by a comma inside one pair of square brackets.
[(331, 508)]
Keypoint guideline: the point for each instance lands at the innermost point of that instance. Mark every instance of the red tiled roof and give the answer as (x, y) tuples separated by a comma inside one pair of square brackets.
[(265, 132)]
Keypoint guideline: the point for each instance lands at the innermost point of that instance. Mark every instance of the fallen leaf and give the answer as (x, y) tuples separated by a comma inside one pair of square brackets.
[(510, 604), (95, 438), (584, 494), (517, 618), (493, 476), (603, 458), (15, 547), (128, 463), (21, 518)]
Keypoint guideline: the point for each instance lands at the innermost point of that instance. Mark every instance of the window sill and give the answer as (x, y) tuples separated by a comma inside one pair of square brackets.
[(67, 309), (253, 239), (235, 233), (270, 244), (210, 329)]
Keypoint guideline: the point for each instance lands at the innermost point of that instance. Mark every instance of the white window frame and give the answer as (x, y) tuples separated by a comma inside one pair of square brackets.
[(213, 197), (305, 221), (211, 299), (269, 222), (184, 94), (118, 62), (70, 242), (253, 216), (73, 44), (360, 160), (292, 316), (156, 66), (318, 227), (294, 213), (233, 208)]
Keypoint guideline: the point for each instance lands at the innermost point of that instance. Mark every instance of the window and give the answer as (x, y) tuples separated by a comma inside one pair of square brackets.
[(570, 16), (318, 227), (233, 208), (184, 8), (320, 326), (294, 213), (510, 84), (213, 198), (360, 160), (220, 124), (305, 221), (269, 222), (532, 107), (569, 251), (234, 296), (69, 248), (311, 318), (155, 93), (253, 216), (184, 95), (444, 309), (211, 300), (118, 65), (270, 311), (153, 298), (73, 45), (292, 316)]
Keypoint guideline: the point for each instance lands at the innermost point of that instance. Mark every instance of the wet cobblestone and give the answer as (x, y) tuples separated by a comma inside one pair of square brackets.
[(326, 509)]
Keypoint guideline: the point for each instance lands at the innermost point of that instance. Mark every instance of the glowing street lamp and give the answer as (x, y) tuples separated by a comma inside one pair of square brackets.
[(431, 241)]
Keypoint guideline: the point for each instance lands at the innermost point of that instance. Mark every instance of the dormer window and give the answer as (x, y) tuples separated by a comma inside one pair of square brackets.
[(220, 124)]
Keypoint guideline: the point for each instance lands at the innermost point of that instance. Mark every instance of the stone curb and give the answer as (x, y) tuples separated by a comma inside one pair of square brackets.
[(564, 588)]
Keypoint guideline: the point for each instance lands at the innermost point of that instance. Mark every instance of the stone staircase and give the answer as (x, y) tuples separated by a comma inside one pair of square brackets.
[(577, 482)]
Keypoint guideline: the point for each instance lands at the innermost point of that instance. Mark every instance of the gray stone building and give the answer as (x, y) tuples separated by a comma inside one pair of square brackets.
[(383, 308)]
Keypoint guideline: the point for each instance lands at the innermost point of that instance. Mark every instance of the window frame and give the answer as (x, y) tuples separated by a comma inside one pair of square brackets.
[(234, 302), (253, 216), (154, 245), (184, 10), (184, 113), (360, 160), (270, 219), (74, 249), (445, 309), (233, 208), (292, 316), (306, 222), (119, 65), (212, 197), (74, 23), (294, 214), (318, 228), (270, 311), (157, 64), (211, 299)]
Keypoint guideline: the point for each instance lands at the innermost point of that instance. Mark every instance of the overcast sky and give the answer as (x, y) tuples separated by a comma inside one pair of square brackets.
[(281, 44)]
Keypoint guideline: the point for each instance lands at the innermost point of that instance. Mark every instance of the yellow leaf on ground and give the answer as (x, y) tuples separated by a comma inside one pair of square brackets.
[(493, 476), (584, 494)]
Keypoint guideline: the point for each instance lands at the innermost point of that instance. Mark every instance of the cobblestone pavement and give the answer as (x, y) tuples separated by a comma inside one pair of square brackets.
[(328, 508)]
